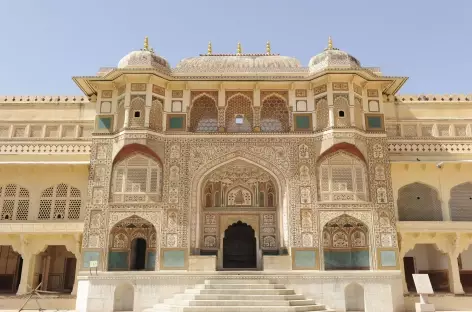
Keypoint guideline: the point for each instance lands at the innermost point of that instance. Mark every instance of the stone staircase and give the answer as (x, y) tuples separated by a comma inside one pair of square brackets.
[(238, 295)]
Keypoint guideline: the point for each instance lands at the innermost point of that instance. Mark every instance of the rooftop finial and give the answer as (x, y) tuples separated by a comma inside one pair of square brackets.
[(239, 51), (330, 43), (268, 47), (146, 43), (210, 49)]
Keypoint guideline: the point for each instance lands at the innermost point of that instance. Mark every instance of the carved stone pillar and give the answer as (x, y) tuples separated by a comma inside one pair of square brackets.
[(257, 119), (221, 118), (454, 277), (45, 272), (26, 273)]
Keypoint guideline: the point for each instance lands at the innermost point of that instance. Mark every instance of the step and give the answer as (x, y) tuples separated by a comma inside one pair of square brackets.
[(249, 309), (240, 291), (254, 302), (236, 297), (240, 286), (238, 281)]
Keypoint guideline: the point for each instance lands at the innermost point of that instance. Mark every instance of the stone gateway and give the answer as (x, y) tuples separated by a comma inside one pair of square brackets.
[(236, 182)]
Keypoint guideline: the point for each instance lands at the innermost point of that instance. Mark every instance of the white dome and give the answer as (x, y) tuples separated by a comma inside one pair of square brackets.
[(332, 58), (144, 59)]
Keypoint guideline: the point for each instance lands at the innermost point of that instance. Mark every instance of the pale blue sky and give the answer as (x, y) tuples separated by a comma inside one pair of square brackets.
[(44, 42)]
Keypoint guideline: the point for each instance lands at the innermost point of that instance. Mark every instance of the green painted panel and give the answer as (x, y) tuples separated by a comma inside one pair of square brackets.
[(151, 260), (90, 256), (305, 258), (302, 122), (118, 260), (388, 258), (104, 122), (174, 259), (176, 122), (374, 122), (345, 260)]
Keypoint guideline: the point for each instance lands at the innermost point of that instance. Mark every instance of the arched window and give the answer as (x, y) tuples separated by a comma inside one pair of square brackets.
[(136, 111), (60, 201), (239, 114), (418, 202), (137, 178), (322, 113), (342, 178), (274, 114), (461, 202), (15, 202), (204, 115)]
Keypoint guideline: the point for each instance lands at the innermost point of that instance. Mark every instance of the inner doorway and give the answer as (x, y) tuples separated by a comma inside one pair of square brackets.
[(239, 247), (138, 254)]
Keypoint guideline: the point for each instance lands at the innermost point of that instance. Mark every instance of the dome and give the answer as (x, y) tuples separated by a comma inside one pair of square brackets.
[(221, 63), (145, 58), (332, 58)]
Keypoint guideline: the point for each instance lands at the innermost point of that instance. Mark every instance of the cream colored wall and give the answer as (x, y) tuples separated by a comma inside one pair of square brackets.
[(466, 258), (36, 178), (47, 112), (441, 179), (449, 111)]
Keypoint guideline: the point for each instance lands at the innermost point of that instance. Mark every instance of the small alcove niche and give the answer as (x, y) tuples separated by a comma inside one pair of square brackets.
[(137, 114)]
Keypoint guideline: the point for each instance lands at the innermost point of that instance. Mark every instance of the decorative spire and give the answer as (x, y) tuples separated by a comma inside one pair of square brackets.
[(240, 50), (146, 45), (268, 47), (330, 43), (210, 49)]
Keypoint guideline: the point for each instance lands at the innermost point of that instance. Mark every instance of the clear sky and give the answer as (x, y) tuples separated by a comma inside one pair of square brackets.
[(43, 43)]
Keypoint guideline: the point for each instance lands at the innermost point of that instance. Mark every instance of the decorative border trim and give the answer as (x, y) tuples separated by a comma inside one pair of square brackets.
[(161, 262), (379, 259), (317, 258)]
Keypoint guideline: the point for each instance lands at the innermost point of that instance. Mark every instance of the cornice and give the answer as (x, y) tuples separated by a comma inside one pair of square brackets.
[(41, 227)]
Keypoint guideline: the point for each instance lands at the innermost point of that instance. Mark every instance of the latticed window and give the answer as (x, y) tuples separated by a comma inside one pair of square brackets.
[(239, 114), (418, 202), (137, 179), (15, 202), (60, 201), (342, 178), (204, 115), (274, 115), (461, 202), (322, 114), (155, 115)]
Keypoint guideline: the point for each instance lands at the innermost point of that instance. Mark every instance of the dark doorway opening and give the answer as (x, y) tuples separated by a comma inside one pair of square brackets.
[(239, 247), (138, 254), (410, 269)]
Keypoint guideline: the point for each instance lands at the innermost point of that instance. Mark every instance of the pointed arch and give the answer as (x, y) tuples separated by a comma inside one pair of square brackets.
[(155, 114), (15, 202), (322, 113), (460, 203), (204, 114), (342, 175), (274, 114), (239, 114), (132, 245), (419, 202), (348, 247)]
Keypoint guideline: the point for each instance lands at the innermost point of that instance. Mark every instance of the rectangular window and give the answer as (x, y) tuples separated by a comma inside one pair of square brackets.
[(303, 122), (176, 122), (374, 122), (104, 124)]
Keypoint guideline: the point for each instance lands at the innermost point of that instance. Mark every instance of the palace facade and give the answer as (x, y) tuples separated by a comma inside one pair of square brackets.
[(163, 189)]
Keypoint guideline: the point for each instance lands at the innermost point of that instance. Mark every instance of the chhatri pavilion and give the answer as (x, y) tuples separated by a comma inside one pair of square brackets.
[(236, 182)]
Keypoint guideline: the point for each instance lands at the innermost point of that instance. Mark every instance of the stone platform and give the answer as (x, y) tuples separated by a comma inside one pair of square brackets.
[(195, 291)]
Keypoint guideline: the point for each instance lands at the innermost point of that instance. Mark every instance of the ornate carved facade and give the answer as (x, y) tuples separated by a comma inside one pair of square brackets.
[(236, 161)]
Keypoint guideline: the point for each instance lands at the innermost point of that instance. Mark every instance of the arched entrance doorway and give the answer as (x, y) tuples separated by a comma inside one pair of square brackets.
[(239, 247), (138, 254)]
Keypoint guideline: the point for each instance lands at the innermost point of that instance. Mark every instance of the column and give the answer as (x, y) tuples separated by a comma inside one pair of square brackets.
[(127, 104), (402, 268), (454, 276), (27, 273), (331, 112), (148, 104), (45, 272), (257, 109), (310, 102), (352, 113)]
